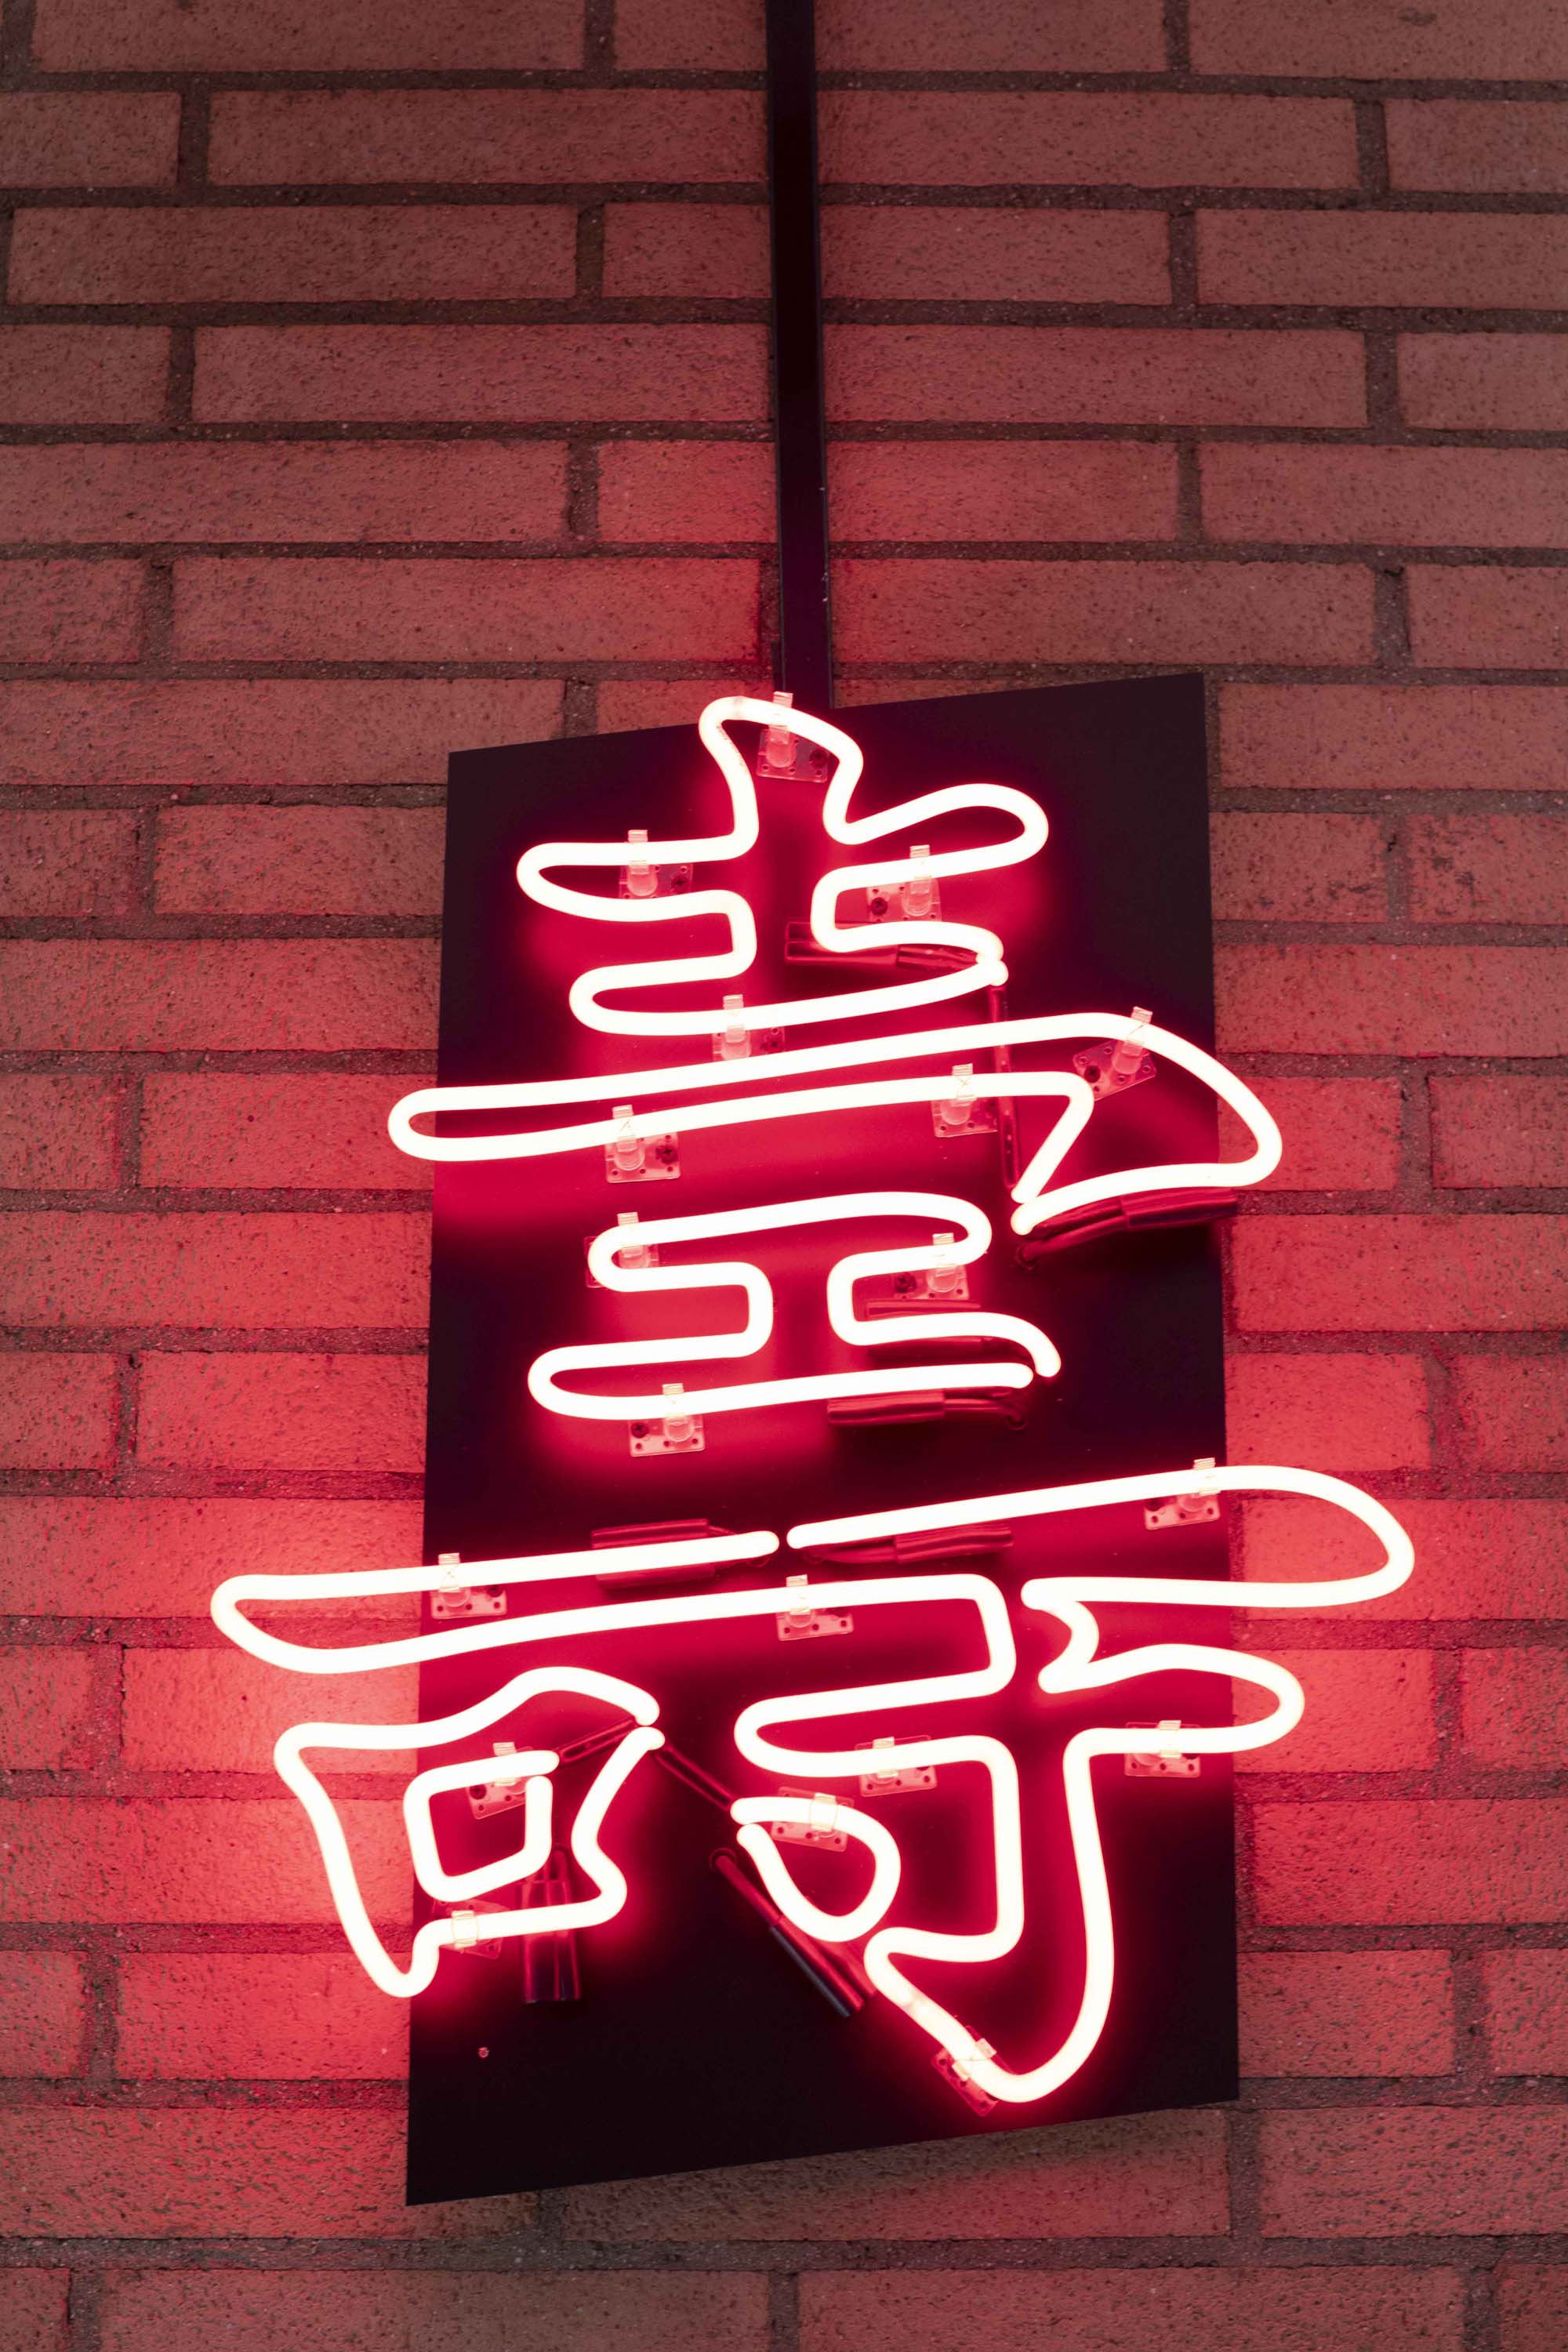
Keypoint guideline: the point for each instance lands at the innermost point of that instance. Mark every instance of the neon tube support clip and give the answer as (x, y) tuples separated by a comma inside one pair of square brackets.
[(1193, 1509), (805, 1624), (1111, 1068)]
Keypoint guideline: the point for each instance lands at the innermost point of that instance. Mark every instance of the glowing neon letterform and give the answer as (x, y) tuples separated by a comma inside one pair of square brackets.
[(823, 1079)]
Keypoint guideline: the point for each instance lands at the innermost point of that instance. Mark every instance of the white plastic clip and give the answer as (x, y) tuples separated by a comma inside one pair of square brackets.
[(501, 1796), (819, 1829), (1163, 1763), (945, 1278), (780, 739), (633, 1252), (954, 2071), (468, 1920), (452, 1600), (963, 1112), (634, 1158), (899, 1780), (733, 1042), (920, 887), (677, 1430), (641, 878), (805, 1624), (1192, 1509), (1119, 1063)]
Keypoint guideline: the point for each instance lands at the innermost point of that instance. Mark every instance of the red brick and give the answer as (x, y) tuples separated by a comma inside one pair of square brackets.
[(126, 1556), (657, 490), (1512, 1412), (299, 861), (1507, 616), (1415, 498), (1534, 2308), (87, 138), (687, 249), (1314, 2014), (170, 1861), (1151, 2176), (71, 612), (1527, 2011), (45, 1709), (1489, 1560), (1132, 2310), (336, 608), (1154, 612), (283, 1413), (1515, 1708), (474, 136), (1298, 869), (1402, 1273), (1367, 1711), (1341, 1135), (64, 1267), (1499, 1131), (1492, 382), (82, 375), (262, 730), (727, 35), (1498, 147), (519, 375), (976, 254), (1093, 375), (1391, 2173), (274, 1131), (290, 35), (34, 2318), (283, 491), (1393, 737), (976, 139), (42, 2024), (256, 995), (1002, 490), (190, 2016), (477, 2311), (57, 1413), (315, 252), (235, 2172), (220, 1711), (1511, 40), (1337, 998), (666, 702), (1340, 1413), (57, 1132), (1447, 261), (1413, 1863), (1489, 870), (70, 862)]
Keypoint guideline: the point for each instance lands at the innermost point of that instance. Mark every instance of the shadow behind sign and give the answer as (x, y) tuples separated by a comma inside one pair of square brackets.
[(695, 2041)]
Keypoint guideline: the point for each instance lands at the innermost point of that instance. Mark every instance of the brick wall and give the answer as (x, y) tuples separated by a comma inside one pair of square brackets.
[(379, 378)]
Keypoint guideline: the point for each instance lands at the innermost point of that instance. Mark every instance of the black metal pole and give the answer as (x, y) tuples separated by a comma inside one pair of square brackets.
[(805, 635)]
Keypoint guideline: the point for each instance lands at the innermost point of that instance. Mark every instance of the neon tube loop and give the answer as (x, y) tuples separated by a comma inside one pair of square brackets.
[(986, 969), (972, 1230)]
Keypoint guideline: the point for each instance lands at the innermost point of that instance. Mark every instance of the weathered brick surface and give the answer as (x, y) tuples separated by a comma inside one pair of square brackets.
[(379, 381), (280, 490), (1527, 2010), (266, 1132), (479, 135), (327, 253), (89, 139), (361, 1413), (42, 2020), (261, 731), (1346, 2014), (1112, 2311), (1490, 382), (1499, 1131), (543, 2311), (57, 1132)]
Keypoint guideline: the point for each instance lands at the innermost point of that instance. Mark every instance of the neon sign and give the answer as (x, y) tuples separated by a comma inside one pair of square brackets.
[(691, 1358)]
